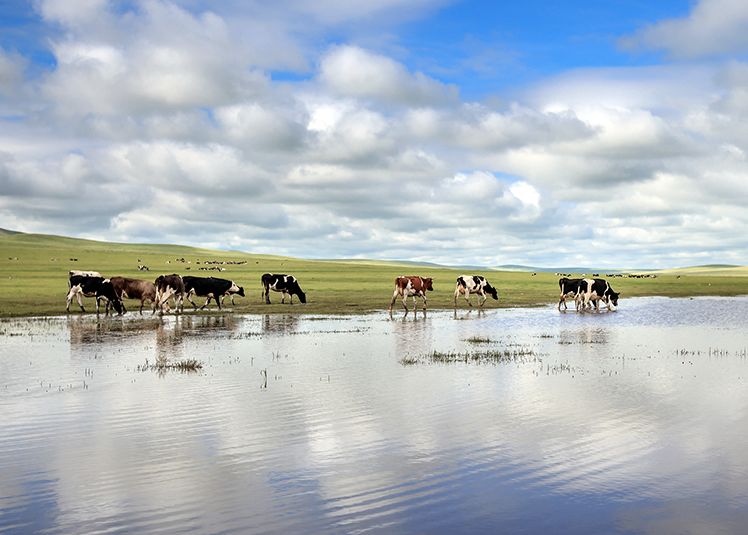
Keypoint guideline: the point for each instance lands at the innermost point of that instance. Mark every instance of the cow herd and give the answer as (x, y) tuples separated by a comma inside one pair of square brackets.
[(168, 289)]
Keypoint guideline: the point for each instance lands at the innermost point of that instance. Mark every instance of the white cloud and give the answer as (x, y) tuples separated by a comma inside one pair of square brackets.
[(712, 27), (165, 111), (353, 72)]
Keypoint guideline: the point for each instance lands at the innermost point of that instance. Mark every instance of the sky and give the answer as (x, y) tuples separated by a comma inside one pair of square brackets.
[(545, 133)]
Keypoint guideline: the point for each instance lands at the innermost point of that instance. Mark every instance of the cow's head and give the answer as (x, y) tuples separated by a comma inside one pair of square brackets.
[(613, 296), (108, 291), (296, 289), (428, 284), (241, 291), (493, 292)]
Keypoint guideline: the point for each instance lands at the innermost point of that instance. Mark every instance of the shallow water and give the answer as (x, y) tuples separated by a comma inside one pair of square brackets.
[(632, 421)]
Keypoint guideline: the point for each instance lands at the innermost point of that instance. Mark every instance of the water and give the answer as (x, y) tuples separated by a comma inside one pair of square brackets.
[(632, 422)]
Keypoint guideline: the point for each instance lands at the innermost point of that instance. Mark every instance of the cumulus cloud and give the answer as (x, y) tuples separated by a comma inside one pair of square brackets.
[(350, 71), (172, 116), (712, 27)]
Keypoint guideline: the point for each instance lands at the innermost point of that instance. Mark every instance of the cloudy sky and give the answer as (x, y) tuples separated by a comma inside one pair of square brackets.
[(546, 133)]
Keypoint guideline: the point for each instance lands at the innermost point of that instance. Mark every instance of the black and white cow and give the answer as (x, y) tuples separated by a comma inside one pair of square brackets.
[(168, 286), (570, 289), (474, 284), (231, 293), (92, 284), (210, 287), (286, 284), (596, 290)]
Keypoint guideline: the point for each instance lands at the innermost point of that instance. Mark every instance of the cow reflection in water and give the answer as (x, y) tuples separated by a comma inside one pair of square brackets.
[(586, 335), (281, 324), (173, 332), (89, 330)]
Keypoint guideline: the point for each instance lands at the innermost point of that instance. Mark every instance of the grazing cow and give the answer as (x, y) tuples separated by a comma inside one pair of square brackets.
[(92, 284), (474, 284), (411, 286), (209, 287), (286, 284), (168, 286), (570, 288), (135, 289), (597, 290)]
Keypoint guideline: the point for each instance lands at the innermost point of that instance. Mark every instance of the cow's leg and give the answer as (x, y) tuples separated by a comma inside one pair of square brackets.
[(69, 298), (189, 298), (457, 293), (424, 301), (266, 294), (483, 298), (405, 301), (218, 302), (467, 297), (392, 301)]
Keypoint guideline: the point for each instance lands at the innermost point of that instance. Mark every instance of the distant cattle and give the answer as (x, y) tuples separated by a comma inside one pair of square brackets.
[(91, 284), (209, 287), (168, 286), (474, 284), (596, 290), (411, 286), (135, 289), (285, 284), (570, 289)]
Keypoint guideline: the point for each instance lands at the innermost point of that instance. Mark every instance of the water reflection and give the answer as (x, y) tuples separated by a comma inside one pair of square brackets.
[(627, 424), (280, 323)]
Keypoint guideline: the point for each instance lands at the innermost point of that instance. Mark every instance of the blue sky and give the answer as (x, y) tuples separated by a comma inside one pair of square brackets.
[(542, 133)]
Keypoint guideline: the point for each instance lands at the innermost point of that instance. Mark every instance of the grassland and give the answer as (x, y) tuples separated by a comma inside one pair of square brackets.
[(33, 277)]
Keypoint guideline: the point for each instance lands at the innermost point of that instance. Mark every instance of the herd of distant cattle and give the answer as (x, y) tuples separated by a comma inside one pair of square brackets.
[(587, 293)]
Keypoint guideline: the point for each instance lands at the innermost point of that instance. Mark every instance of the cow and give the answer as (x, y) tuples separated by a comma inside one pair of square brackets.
[(474, 284), (168, 286), (231, 292), (570, 288), (210, 287), (92, 284), (597, 290), (135, 289), (286, 284), (411, 286)]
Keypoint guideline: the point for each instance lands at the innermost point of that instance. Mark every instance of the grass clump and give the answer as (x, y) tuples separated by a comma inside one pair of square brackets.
[(519, 355), (479, 340), (162, 365)]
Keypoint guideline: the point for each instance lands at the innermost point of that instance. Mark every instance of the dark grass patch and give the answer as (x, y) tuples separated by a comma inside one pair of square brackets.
[(521, 355), (162, 365), (479, 340)]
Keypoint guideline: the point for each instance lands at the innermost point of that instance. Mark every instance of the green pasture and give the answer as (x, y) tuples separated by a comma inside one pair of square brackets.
[(34, 270)]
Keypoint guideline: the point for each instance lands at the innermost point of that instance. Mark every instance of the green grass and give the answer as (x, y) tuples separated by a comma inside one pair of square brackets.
[(34, 268)]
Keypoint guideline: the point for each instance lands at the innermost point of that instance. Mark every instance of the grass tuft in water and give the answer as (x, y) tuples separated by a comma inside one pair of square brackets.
[(479, 340), (498, 356), (162, 366)]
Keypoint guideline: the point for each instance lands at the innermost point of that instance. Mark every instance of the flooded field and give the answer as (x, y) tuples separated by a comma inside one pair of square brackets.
[(512, 420)]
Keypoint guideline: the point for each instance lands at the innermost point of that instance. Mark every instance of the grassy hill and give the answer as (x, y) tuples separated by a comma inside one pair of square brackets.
[(34, 270)]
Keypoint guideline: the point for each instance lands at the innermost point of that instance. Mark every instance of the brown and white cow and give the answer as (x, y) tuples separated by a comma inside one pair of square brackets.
[(411, 286), (135, 289)]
